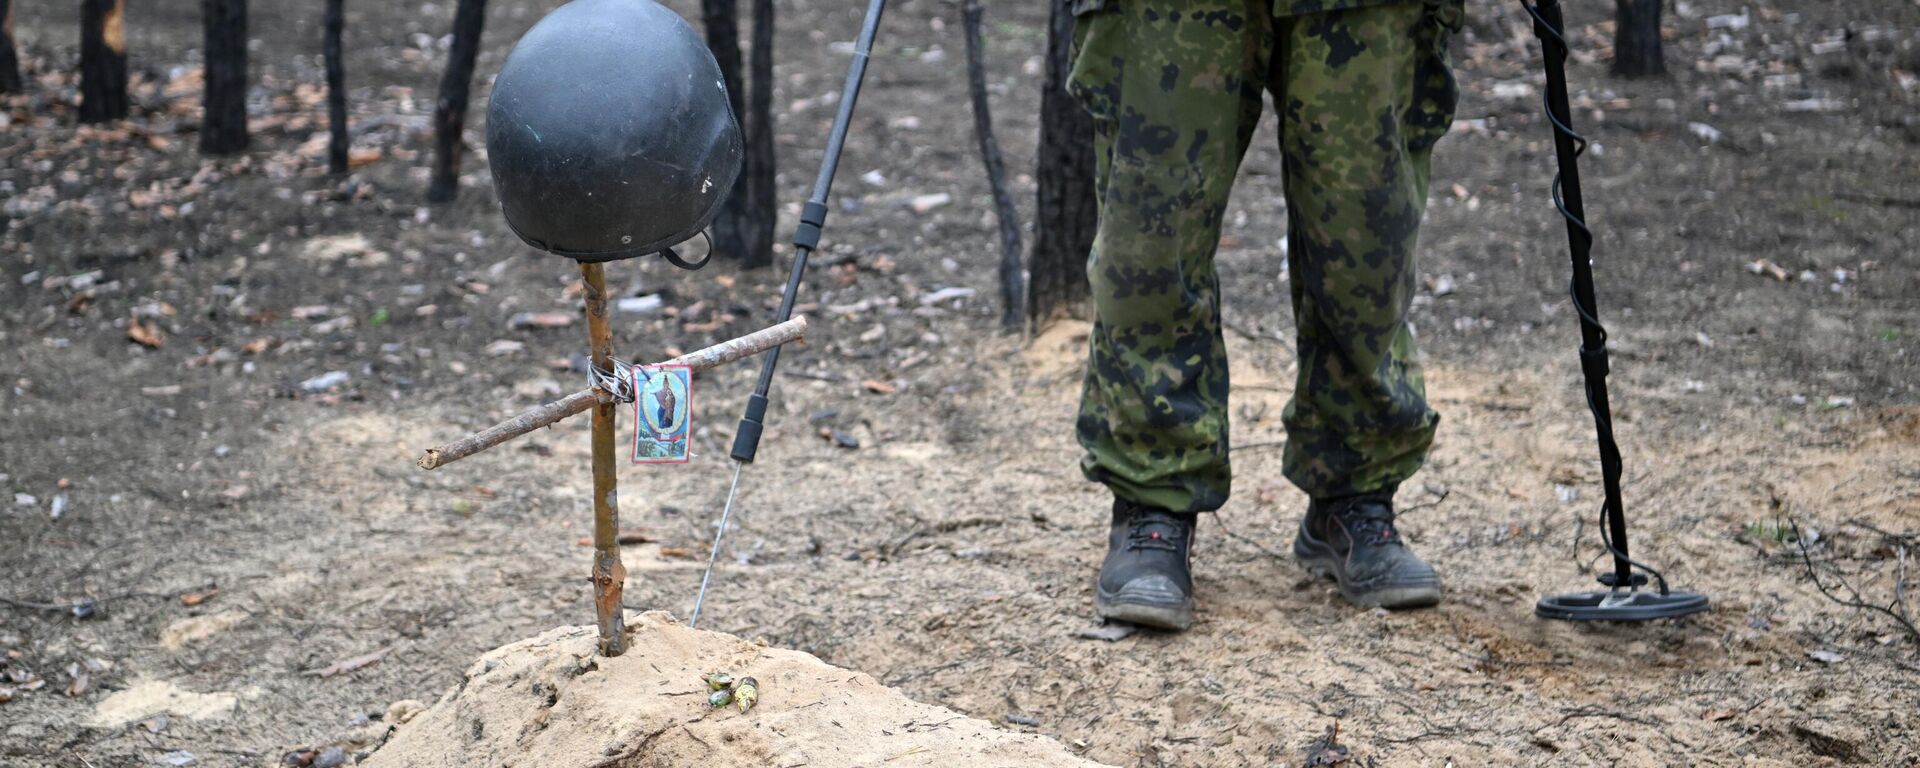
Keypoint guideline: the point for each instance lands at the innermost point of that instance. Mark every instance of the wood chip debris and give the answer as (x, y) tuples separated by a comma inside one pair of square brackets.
[(1766, 268), (145, 333), (349, 665), (196, 598), (1110, 632), (526, 320)]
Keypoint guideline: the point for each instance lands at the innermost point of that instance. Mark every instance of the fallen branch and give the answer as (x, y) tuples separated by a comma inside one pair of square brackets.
[(1898, 611), (578, 402)]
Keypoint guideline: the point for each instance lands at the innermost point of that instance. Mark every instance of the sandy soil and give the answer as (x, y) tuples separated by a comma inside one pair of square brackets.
[(554, 701), (951, 555)]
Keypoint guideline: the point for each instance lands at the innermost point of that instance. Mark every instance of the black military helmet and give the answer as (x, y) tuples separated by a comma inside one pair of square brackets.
[(610, 134)]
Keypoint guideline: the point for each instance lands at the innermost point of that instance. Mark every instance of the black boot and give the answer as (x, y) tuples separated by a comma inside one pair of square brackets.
[(1353, 541), (1147, 578)]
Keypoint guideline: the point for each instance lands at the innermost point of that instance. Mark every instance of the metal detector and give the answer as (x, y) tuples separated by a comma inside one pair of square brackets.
[(1625, 598)]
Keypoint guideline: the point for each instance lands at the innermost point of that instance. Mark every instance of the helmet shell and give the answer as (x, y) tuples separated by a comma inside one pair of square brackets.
[(610, 133)]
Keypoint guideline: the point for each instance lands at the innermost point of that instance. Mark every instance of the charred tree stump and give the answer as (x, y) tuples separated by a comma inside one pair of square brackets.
[(758, 167), (1636, 39), (1013, 288), (223, 128), (336, 88), (9, 58), (450, 111), (103, 61), (1067, 213)]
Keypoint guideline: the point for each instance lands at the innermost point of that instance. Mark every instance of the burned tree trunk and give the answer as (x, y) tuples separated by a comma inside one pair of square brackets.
[(1066, 214), (1013, 282), (223, 128), (103, 61), (336, 88), (1636, 39), (450, 111), (722, 21), (757, 169), (9, 59)]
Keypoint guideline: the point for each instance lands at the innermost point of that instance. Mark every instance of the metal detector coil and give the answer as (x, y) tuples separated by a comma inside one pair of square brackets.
[(1625, 599), (610, 133)]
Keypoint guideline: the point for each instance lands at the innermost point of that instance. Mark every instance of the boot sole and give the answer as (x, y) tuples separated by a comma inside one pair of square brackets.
[(1175, 618), (1325, 565)]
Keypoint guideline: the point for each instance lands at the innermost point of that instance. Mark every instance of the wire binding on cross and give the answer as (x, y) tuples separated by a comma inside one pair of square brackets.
[(617, 382)]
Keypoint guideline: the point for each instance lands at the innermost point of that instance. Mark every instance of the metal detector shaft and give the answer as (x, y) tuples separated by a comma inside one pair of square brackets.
[(746, 440), (1623, 600), (1568, 146)]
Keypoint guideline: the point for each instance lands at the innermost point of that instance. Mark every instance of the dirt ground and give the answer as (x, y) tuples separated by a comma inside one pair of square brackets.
[(1757, 258), (554, 701)]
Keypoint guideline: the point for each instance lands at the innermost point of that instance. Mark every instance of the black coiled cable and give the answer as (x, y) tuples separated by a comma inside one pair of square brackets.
[(1554, 48)]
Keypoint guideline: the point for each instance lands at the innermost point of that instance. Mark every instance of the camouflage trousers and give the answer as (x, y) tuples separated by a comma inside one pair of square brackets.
[(1175, 90)]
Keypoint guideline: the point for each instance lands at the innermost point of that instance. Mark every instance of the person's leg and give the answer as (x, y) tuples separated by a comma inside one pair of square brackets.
[(1364, 94), (1174, 87)]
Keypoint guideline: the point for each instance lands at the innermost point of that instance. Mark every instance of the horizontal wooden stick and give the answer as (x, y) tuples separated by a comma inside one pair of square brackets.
[(578, 402)]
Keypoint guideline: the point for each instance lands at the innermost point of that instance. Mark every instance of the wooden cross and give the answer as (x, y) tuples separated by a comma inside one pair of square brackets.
[(609, 574)]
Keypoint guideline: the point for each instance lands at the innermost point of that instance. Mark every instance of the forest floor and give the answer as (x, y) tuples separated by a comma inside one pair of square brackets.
[(229, 532)]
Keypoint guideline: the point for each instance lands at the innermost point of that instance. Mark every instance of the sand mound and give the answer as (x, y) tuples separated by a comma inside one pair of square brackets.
[(551, 702)]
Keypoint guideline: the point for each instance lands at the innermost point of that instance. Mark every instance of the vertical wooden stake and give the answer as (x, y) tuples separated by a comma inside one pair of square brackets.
[(609, 574)]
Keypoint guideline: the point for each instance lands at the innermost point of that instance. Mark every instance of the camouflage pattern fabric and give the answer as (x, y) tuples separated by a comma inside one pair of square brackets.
[(1175, 88)]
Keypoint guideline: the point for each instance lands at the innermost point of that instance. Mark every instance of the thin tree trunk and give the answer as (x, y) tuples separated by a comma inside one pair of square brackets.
[(9, 58), (336, 89), (1013, 281), (450, 112), (1636, 39), (1067, 213), (757, 217), (223, 127), (722, 21), (103, 61)]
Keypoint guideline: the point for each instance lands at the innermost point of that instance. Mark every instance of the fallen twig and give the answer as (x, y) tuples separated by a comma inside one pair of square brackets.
[(1569, 715), (1888, 201), (348, 665), (1221, 520), (79, 608), (1897, 612), (1439, 497)]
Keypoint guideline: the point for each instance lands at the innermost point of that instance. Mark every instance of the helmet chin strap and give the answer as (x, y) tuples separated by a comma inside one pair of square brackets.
[(673, 257)]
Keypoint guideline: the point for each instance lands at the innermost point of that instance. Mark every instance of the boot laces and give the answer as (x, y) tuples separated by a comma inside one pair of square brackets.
[(1371, 523), (1155, 530)]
